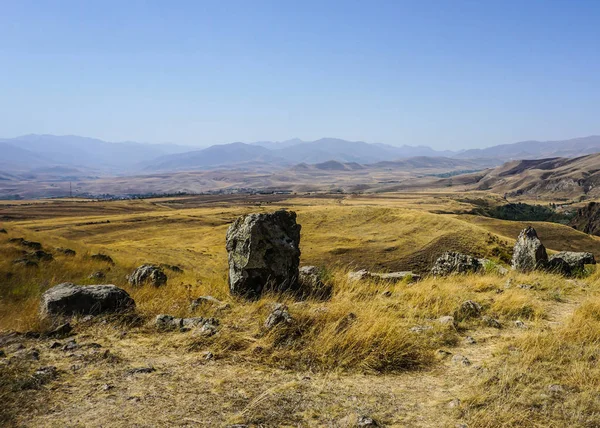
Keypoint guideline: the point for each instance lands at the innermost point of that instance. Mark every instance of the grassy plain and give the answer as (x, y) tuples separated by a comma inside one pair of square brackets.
[(357, 354)]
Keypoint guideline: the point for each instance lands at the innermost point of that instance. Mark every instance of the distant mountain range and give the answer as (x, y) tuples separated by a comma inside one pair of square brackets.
[(81, 156)]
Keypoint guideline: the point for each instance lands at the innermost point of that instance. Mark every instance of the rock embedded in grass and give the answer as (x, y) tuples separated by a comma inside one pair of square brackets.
[(393, 277), (263, 254), (102, 258), (148, 274), (455, 263), (66, 251), (311, 284), (68, 299), (575, 260), (31, 244), (279, 315), (468, 309)]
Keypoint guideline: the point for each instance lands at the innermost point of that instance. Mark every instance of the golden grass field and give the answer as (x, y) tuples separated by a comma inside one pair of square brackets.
[(330, 367)]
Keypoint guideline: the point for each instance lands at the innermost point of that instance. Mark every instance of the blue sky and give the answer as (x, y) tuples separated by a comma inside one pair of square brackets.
[(449, 74)]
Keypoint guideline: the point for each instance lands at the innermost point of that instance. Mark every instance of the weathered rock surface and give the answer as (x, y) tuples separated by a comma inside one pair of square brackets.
[(204, 300), (148, 274), (455, 263), (279, 315), (556, 265), (70, 299), (468, 309), (529, 253), (574, 259), (390, 277), (263, 253)]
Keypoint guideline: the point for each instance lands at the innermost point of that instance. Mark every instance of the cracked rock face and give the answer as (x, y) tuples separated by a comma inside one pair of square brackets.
[(70, 299), (575, 260), (263, 253), (529, 252), (148, 274), (455, 263)]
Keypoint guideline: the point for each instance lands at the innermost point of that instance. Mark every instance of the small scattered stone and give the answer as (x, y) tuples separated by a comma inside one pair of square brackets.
[(520, 324), (97, 275), (137, 370), (278, 315), (70, 345), (45, 374), (209, 355), (61, 330), (420, 328), (15, 347), (442, 353), (461, 359), (526, 287), (66, 251), (470, 340), (207, 330), (468, 309), (204, 300), (387, 294), (106, 387), (366, 421), (454, 403), (447, 320), (556, 389), (55, 345), (491, 322)]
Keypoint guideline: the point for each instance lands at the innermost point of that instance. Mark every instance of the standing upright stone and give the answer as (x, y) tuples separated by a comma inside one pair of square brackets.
[(264, 253), (529, 252)]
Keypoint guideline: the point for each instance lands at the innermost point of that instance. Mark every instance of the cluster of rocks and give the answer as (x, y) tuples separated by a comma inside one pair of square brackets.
[(33, 256), (530, 254), (204, 326)]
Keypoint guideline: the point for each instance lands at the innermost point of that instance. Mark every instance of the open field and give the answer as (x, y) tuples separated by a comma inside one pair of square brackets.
[(333, 366)]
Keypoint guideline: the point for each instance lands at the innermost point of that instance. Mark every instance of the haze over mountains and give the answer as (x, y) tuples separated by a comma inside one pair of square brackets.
[(73, 155), (44, 165)]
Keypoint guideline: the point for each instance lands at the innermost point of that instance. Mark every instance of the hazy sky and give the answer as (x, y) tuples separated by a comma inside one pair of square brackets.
[(449, 74)]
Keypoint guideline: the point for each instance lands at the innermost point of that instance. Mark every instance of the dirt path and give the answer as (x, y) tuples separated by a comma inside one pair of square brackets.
[(99, 389)]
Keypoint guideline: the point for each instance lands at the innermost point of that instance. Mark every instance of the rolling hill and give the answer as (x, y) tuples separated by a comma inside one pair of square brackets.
[(569, 178)]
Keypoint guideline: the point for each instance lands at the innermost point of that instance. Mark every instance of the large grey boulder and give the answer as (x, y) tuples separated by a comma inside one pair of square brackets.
[(264, 253), (455, 263), (574, 259), (148, 274), (70, 299), (529, 253)]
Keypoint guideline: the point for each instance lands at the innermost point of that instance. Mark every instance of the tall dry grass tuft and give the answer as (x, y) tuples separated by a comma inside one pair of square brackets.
[(544, 378)]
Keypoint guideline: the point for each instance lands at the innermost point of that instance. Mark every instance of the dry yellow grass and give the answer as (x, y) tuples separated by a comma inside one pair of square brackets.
[(355, 354)]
